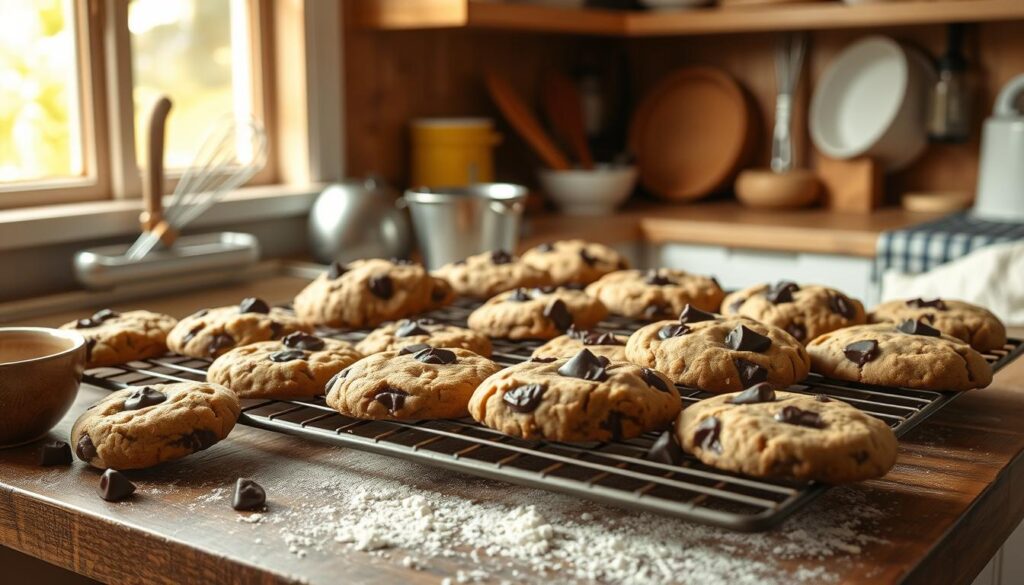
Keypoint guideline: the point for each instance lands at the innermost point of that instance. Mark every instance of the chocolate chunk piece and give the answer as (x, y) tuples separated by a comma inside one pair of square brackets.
[(192, 333), (409, 328), (587, 258), (501, 257), (85, 323), (200, 313), (822, 398), (803, 418), (798, 331), (544, 290), (782, 292), (55, 453), (841, 305), (85, 449), (520, 295), (666, 449), (334, 380), (392, 398), (414, 348), (253, 305), (559, 314), (652, 379), (276, 329), (546, 247), (708, 435), (932, 304), (861, 352), (592, 337), (221, 341), (249, 495), (336, 270), (673, 330), (585, 366), (653, 277), (525, 398), (756, 394), (300, 340), (543, 360), (692, 314), (743, 338), (97, 319), (143, 397), (287, 355), (381, 286), (749, 372), (197, 440), (918, 327), (437, 356), (114, 486), (613, 424)]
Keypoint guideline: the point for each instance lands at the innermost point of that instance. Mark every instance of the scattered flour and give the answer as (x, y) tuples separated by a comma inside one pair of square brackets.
[(525, 543)]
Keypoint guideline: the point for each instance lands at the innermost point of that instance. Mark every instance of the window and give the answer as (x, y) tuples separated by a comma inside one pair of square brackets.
[(68, 68)]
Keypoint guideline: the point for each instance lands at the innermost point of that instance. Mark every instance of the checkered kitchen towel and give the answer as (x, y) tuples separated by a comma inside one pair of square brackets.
[(920, 248)]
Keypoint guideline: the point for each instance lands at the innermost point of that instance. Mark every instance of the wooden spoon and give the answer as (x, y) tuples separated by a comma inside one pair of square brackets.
[(564, 108), (524, 122)]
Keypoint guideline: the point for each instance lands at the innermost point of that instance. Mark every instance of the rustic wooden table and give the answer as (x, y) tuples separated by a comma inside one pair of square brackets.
[(937, 517)]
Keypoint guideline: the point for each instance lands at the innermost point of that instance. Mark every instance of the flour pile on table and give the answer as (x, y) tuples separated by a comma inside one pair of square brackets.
[(427, 530)]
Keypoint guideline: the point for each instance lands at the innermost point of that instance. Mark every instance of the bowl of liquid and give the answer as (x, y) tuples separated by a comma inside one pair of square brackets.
[(40, 372)]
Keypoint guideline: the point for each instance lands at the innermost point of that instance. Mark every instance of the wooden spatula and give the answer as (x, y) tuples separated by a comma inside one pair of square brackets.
[(524, 122), (564, 108)]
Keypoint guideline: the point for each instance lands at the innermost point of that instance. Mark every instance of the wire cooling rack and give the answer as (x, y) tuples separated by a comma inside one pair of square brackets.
[(614, 472)]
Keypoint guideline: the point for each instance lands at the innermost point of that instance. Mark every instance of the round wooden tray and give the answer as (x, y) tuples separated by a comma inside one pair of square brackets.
[(691, 133)]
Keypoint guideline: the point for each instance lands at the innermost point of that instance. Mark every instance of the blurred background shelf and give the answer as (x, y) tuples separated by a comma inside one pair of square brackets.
[(480, 14)]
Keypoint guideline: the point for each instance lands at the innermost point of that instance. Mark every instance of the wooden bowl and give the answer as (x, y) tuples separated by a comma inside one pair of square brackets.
[(765, 189), (40, 371), (691, 133)]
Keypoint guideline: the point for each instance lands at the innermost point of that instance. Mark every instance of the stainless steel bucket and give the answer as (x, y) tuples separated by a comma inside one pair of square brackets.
[(452, 223)]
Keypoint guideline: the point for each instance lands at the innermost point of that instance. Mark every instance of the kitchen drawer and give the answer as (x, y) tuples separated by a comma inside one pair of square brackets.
[(738, 267)]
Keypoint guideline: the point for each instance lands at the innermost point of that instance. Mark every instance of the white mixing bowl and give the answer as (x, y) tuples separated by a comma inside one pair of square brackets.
[(595, 192)]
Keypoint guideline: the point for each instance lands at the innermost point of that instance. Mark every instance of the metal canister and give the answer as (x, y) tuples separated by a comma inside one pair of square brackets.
[(455, 222)]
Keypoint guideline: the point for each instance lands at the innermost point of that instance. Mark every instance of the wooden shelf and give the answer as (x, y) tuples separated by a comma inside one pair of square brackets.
[(481, 14)]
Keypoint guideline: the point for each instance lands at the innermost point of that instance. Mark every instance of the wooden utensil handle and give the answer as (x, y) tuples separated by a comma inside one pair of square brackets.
[(153, 187)]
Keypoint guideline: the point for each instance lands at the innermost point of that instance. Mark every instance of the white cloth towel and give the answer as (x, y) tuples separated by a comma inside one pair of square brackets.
[(992, 277)]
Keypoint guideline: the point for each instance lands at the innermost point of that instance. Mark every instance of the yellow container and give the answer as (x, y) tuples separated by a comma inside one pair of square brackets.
[(453, 152)]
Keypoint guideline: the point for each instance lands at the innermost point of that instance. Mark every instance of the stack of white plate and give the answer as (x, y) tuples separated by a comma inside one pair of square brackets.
[(872, 102)]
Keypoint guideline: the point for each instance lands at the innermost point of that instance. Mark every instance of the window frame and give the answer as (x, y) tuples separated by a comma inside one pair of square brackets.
[(107, 109)]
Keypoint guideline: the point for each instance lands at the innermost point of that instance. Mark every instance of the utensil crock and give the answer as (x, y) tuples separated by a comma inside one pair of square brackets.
[(1001, 174), (40, 372), (456, 222)]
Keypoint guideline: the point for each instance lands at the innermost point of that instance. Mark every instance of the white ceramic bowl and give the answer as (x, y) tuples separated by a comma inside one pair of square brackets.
[(595, 192), (871, 102)]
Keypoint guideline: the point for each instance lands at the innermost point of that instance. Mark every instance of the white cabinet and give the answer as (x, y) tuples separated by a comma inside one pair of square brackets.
[(737, 268)]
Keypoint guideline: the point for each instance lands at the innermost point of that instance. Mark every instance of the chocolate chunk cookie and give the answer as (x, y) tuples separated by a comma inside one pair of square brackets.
[(484, 275), (600, 343), (655, 294), (582, 398), (143, 426), (413, 383), (115, 338), (211, 333), (575, 262), (804, 311), (912, 354), (969, 323), (539, 313), (366, 293), (297, 366), (766, 433), (719, 354), (395, 336)]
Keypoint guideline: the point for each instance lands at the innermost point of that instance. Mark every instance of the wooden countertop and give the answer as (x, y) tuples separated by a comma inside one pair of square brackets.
[(729, 224), (944, 509)]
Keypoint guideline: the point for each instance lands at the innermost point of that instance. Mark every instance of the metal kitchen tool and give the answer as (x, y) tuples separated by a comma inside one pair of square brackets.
[(453, 223), (216, 171), (358, 219), (1001, 173), (227, 158), (619, 473), (789, 62)]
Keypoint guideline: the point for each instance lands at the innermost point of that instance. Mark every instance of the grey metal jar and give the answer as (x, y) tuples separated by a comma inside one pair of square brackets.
[(456, 222), (358, 219)]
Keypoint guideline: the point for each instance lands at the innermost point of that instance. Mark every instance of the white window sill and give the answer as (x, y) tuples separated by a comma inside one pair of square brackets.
[(54, 224)]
